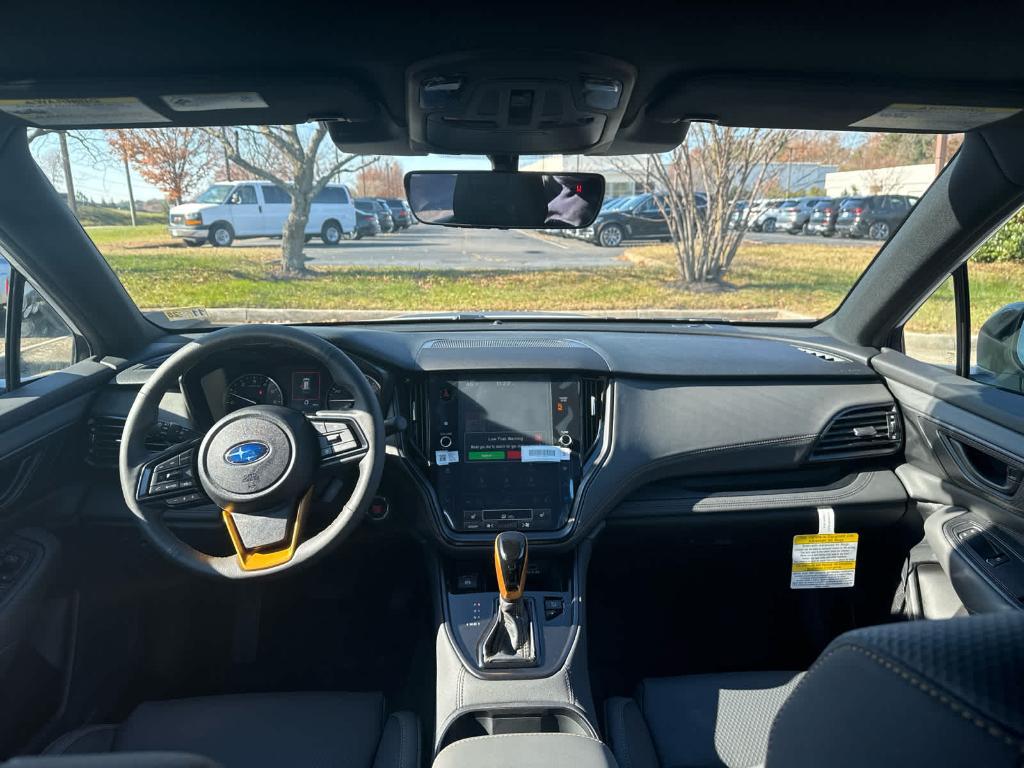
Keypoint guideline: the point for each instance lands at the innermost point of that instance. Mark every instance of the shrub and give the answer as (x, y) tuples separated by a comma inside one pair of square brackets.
[(1006, 243)]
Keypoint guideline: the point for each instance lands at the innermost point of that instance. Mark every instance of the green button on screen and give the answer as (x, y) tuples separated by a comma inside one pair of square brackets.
[(486, 455)]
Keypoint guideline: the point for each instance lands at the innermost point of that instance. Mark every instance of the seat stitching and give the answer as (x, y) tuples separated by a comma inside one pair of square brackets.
[(963, 711)]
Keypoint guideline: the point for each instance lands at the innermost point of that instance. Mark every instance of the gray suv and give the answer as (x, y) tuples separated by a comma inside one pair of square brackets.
[(794, 214)]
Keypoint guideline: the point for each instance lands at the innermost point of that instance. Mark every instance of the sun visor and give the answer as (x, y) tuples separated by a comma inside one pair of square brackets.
[(195, 102), (837, 104)]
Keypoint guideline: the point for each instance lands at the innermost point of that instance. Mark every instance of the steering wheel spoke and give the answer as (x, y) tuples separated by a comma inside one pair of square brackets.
[(341, 438), (268, 538), (170, 477)]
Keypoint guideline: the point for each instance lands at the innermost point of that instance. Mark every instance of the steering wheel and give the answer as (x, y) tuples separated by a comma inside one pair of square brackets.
[(259, 464)]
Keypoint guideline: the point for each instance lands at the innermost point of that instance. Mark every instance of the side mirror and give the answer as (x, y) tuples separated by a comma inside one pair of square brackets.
[(1001, 348)]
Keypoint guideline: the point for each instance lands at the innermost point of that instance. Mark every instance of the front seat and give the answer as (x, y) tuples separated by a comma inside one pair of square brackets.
[(341, 730), (947, 692)]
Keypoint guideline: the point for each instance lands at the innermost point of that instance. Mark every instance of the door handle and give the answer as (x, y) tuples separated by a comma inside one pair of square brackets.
[(984, 468)]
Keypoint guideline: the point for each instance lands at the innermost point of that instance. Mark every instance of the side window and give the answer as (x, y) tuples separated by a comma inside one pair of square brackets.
[(47, 343), (331, 195), (973, 323), (244, 195), (275, 196), (930, 335)]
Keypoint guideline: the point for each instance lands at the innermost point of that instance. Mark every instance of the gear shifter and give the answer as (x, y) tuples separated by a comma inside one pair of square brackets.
[(509, 638)]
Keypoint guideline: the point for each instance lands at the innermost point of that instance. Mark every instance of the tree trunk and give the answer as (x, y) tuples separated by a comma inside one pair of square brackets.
[(293, 241)]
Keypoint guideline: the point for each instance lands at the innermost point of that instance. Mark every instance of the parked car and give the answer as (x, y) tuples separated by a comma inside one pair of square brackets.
[(823, 218), (876, 216), (794, 214), (5, 284), (382, 211), (640, 218), (400, 212), (766, 219), (367, 224), (228, 211)]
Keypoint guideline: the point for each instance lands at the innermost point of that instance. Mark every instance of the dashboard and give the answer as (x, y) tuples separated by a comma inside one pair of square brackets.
[(553, 432)]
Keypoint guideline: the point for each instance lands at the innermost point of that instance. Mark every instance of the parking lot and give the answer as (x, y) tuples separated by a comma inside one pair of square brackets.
[(459, 249)]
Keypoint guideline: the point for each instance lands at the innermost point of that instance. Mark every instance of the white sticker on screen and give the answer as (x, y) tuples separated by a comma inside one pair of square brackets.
[(545, 453)]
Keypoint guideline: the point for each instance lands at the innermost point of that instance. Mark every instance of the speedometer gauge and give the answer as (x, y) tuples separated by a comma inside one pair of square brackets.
[(340, 397), (252, 389)]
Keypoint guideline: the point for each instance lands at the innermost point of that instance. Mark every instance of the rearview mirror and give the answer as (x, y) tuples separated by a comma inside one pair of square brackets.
[(505, 199)]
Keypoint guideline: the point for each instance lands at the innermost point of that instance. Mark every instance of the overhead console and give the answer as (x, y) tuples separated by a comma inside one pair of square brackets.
[(504, 103), (507, 451)]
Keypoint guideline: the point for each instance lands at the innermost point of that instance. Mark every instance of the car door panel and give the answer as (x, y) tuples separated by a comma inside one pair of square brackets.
[(964, 468)]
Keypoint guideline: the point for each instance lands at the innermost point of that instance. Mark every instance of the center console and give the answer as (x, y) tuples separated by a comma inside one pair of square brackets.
[(506, 452)]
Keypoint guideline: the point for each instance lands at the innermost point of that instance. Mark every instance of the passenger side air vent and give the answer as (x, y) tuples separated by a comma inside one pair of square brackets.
[(104, 435), (828, 357), (871, 430), (592, 400)]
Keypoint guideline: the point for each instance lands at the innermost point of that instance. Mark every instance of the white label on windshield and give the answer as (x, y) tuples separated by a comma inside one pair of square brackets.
[(187, 313), (443, 458), (933, 117), (122, 110), (544, 453), (203, 102)]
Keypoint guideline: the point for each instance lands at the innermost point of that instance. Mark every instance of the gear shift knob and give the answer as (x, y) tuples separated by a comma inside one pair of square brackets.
[(510, 554)]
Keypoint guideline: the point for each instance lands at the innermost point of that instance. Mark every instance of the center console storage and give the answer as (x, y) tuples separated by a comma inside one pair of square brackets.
[(527, 750), (518, 737)]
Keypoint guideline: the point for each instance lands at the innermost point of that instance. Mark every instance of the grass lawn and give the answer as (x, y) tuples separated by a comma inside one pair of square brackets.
[(97, 215), (809, 279)]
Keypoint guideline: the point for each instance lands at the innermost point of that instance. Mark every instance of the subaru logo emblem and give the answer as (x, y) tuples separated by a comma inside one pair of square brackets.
[(247, 453)]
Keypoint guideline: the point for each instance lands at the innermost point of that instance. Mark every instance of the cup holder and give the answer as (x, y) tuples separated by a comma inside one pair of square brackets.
[(497, 721)]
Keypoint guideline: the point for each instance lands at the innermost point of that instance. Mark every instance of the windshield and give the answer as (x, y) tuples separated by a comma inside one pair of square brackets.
[(217, 194), (280, 245)]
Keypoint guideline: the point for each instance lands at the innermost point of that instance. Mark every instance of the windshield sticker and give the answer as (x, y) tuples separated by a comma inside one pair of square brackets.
[(544, 453), (122, 110), (186, 313), (204, 102), (934, 117)]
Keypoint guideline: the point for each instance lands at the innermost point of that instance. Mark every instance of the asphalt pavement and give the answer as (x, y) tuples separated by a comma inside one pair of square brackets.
[(467, 249), (446, 248)]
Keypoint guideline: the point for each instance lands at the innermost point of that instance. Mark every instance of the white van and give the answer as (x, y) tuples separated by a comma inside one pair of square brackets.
[(230, 210)]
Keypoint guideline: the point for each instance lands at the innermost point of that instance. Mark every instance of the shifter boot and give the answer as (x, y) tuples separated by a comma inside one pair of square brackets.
[(509, 639)]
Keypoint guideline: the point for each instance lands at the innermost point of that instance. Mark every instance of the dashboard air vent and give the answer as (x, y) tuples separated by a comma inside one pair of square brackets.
[(104, 435), (592, 400), (828, 357), (417, 414), (871, 430), (503, 343)]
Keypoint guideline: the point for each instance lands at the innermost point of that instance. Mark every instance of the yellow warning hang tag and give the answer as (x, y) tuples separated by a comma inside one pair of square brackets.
[(824, 560)]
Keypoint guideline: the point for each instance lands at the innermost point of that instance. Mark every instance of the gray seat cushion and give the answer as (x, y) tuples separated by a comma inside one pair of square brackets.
[(699, 720), (308, 729), (945, 692)]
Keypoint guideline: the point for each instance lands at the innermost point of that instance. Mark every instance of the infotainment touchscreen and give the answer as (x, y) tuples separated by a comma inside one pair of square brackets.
[(505, 451), (499, 417)]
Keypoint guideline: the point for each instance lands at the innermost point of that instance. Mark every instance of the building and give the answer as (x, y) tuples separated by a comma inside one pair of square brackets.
[(617, 183), (895, 180)]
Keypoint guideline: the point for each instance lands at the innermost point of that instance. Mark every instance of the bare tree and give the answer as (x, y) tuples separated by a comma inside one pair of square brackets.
[(280, 154), (699, 183)]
